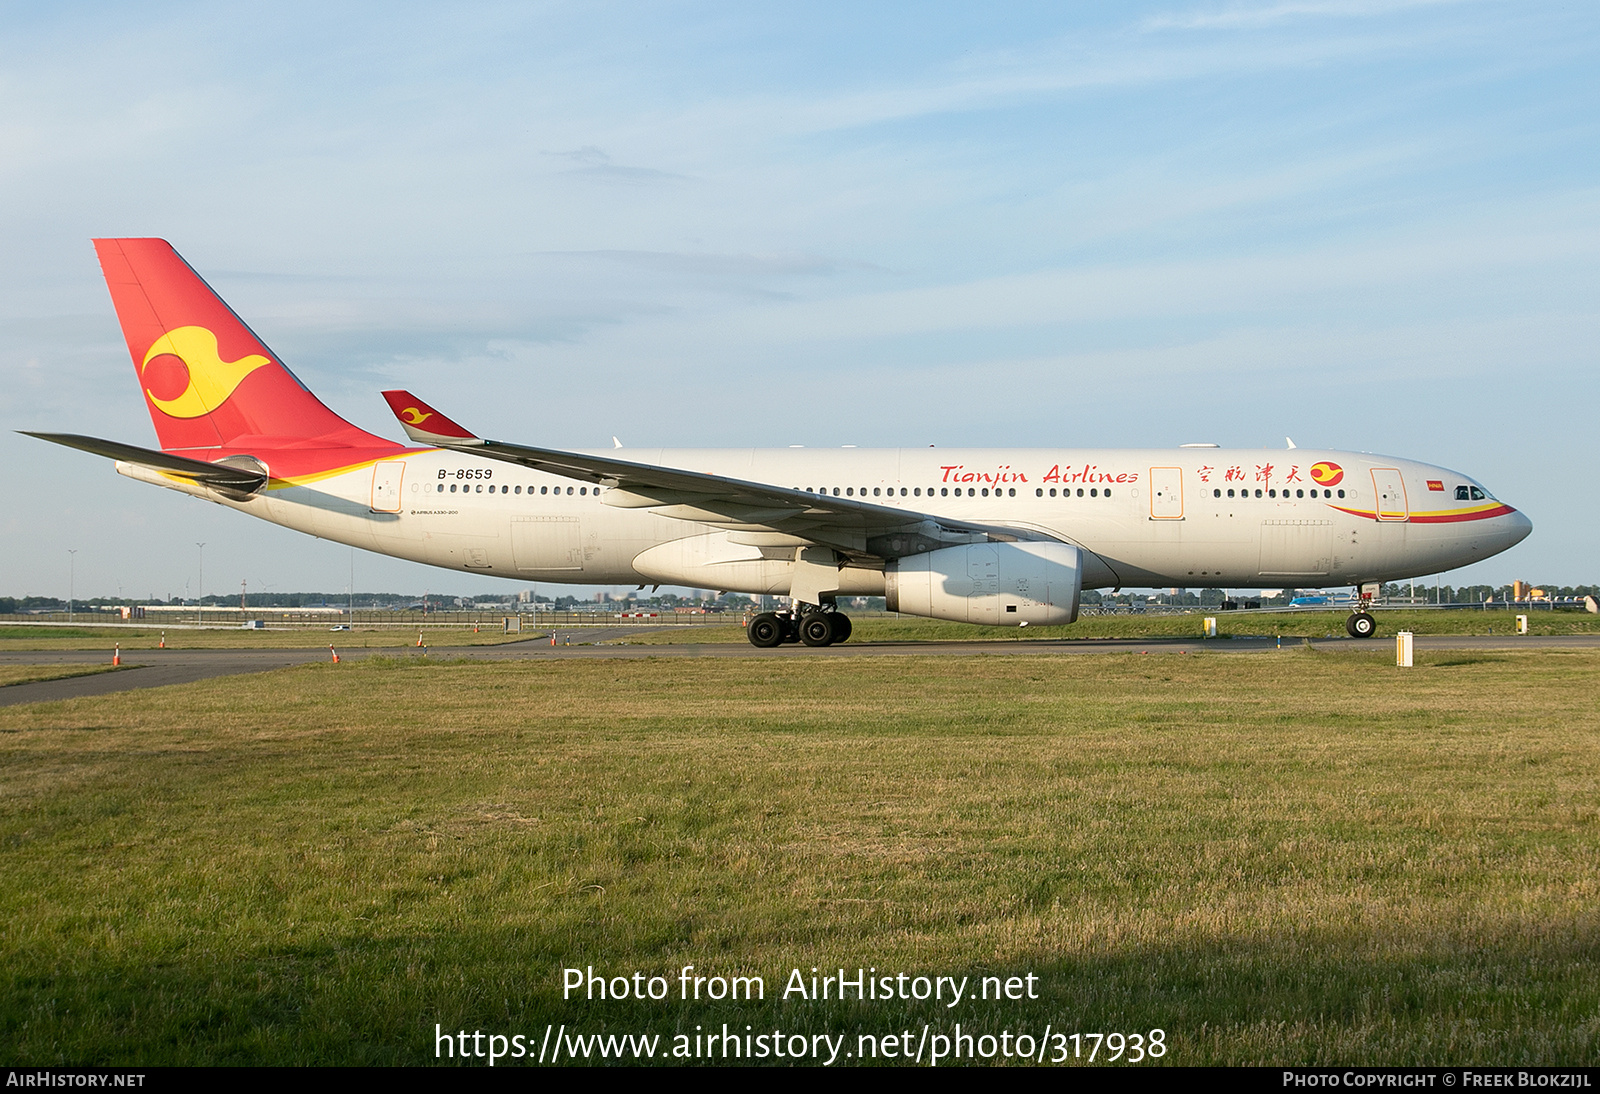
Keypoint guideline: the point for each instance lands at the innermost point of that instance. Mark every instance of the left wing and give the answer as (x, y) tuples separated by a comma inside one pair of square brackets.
[(755, 513)]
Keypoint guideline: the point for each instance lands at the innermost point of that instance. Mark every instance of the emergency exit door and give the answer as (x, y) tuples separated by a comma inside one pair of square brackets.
[(1166, 493)]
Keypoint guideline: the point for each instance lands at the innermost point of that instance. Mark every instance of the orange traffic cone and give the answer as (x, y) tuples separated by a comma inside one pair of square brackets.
[(552, 638), (335, 654), (474, 628), (419, 638), (163, 640), (116, 654)]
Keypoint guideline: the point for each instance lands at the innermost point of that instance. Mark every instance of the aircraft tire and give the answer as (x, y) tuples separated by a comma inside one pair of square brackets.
[(1361, 625), (765, 631), (841, 627), (816, 629)]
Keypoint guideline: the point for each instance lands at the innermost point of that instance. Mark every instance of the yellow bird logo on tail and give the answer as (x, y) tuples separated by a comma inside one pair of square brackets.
[(210, 379), (413, 416)]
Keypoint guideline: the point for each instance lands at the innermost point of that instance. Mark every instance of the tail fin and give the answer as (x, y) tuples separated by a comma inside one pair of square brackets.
[(208, 381)]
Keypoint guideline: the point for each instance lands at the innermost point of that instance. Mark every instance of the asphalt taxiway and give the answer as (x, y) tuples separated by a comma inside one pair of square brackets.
[(159, 668)]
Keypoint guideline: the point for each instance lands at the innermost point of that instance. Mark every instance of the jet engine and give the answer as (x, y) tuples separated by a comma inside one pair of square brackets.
[(1005, 584)]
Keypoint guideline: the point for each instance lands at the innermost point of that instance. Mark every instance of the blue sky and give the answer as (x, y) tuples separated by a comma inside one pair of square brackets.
[(1366, 225)]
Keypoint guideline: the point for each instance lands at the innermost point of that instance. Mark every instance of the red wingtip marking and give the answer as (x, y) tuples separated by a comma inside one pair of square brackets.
[(419, 415)]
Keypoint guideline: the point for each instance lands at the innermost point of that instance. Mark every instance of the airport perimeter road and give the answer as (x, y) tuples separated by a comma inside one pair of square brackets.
[(157, 668)]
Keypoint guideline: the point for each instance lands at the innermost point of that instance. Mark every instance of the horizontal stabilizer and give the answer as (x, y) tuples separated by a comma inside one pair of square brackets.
[(219, 475)]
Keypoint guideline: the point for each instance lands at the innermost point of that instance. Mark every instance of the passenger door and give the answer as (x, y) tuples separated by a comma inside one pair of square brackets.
[(1389, 490)]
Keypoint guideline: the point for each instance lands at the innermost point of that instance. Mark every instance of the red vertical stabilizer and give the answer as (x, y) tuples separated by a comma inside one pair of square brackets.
[(208, 381)]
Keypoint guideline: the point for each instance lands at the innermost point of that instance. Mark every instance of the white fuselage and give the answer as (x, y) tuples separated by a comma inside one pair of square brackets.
[(1144, 518)]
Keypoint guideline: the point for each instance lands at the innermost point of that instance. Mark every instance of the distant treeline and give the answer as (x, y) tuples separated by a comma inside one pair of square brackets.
[(363, 601), (1448, 594)]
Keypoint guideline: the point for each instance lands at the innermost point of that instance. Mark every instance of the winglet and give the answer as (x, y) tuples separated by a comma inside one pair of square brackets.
[(425, 425)]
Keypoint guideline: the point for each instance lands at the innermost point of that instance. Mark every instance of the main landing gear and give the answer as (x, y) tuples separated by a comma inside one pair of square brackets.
[(813, 626)]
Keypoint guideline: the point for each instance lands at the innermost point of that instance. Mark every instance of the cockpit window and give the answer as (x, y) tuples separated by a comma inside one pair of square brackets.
[(1478, 495), (1462, 493)]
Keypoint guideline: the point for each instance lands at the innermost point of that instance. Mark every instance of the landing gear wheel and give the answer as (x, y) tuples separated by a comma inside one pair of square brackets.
[(765, 630), (816, 629), (1361, 625), (841, 627)]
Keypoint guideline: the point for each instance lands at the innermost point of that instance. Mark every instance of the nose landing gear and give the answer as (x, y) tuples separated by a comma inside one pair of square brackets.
[(1361, 625)]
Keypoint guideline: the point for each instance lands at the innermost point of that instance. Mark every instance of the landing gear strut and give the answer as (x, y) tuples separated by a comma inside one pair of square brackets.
[(813, 626)]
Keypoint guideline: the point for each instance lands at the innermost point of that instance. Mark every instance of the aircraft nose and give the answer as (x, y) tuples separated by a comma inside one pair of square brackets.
[(1517, 527)]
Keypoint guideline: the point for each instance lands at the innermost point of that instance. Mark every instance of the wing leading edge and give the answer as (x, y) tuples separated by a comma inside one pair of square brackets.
[(756, 514)]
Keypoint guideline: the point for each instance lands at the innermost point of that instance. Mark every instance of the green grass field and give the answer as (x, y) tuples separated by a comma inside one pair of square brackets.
[(1274, 857), (1286, 624), (28, 674)]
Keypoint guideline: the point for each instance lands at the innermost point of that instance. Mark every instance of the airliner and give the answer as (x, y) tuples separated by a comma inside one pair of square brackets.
[(1005, 537)]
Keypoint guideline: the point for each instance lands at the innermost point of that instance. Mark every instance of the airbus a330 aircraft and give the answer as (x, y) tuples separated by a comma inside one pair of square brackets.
[(1008, 537)]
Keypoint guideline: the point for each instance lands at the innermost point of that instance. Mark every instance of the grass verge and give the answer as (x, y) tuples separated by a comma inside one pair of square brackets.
[(1270, 624), (29, 674)]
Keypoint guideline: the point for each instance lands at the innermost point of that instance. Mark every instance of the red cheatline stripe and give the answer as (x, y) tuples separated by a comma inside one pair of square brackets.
[(1452, 518), (1437, 518)]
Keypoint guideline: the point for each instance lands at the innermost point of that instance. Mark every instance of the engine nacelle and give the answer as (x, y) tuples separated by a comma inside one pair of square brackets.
[(1005, 584)]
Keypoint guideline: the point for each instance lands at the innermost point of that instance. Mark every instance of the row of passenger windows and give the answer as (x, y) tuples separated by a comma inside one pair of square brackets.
[(916, 491), (878, 491), (468, 489), (1276, 493)]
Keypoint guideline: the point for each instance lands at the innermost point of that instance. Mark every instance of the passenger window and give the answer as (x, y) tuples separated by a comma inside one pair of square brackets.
[(1216, 493), (1341, 493), (583, 489), (1093, 493), (1106, 493), (1299, 493), (944, 490), (569, 490), (452, 488), (835, 491), (1230, 493), (1039, 493), (1258, 493), (985, 491), (544, 489), (1080, 491), (1011, 492)]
